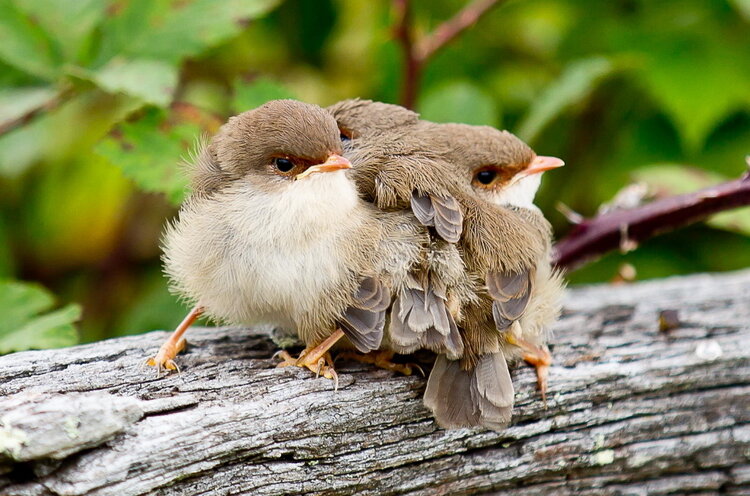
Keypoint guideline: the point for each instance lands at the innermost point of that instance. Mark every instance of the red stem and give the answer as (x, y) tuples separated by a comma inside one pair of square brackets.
[(624, 229)]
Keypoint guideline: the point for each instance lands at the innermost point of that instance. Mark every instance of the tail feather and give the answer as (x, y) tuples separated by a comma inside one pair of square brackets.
[(460, 398)]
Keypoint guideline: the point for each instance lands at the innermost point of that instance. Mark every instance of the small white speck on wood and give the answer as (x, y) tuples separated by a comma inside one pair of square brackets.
[(631, 410)]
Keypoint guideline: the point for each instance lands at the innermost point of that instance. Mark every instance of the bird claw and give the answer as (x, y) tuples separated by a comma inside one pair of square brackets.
[(322, 367), (164, 359), (540, 358)]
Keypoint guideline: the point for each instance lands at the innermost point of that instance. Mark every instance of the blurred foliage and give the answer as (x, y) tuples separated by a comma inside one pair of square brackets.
[(21, 328), (101, 100)]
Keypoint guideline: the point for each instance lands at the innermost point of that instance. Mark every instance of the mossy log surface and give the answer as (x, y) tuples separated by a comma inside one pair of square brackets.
[(631, 410)]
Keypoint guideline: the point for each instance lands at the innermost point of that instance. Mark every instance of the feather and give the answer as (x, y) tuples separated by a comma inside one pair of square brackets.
[(423, 210), (448, 395), (460, 398), (441, 211), (448, 218), (363, 321)]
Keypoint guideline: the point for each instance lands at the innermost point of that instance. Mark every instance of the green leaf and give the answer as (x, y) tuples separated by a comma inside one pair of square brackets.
[(149, 152), (672, 179), (697, 83), (153, 81), (171, 31), (24, 326), (68, 23), (459, 101), (24, 45), (15, 102), (574, 85), (247, 96), (63, 133)]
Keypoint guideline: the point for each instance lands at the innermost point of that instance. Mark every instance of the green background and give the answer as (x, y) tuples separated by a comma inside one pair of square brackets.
[(623, 90)]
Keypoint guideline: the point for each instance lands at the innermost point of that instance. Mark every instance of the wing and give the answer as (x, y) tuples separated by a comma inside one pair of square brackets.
[(441, 211), (420, 319), (363, 321), (510, 292)]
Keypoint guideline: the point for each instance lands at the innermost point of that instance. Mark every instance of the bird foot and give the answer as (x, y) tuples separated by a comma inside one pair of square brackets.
[(541, 359), (321, 365), (164, 359), (383, 360)]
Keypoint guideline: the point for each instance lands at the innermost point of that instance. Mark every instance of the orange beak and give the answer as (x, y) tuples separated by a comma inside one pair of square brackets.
[(541, 164), (333, 163)]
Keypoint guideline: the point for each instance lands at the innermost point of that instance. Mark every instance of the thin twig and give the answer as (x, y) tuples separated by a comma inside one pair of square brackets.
[(46, 106), (626, 228), (416, 53), (411, 66), (450, 29)]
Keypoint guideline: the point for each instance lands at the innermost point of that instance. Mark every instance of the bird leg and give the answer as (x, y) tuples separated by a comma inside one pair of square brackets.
[(382, 359), (164, 359), (541, 359), (317, 359)]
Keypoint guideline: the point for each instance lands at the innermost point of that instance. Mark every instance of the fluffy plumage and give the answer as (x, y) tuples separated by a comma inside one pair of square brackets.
[(255, 244), (402, 162)]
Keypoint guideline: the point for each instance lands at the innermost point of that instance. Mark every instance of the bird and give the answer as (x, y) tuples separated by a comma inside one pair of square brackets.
[(390, 171), (500, 250), (274, 232), (519, 306)]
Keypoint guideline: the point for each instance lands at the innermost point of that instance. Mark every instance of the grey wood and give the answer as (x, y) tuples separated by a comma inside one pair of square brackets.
[(631, 411)]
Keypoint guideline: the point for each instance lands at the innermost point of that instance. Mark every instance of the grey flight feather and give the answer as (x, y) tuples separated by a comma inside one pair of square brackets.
[(420, 318), (363, 321), (511, 292), (442, 212)]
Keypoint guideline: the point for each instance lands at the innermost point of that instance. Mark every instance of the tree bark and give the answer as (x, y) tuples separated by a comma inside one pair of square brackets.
[(631, 410)]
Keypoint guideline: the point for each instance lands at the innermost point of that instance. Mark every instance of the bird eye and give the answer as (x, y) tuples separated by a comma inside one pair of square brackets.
[(486, 177), (283, 164), (345, 135)]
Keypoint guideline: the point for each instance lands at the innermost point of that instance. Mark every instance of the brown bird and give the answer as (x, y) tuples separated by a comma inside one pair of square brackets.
[(500, 246), (398, 175), (274, 232), (523, 303)]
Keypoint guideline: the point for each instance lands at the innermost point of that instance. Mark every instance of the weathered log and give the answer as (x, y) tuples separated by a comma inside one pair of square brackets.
[(631, 410)]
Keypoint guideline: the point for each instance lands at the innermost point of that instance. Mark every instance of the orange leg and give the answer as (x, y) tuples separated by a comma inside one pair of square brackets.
[(382, 359), (541, 359), (316, 359), (164, 359)]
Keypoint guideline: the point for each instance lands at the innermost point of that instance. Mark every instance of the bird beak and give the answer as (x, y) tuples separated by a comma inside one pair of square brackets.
[(541, 164), (333, 163)]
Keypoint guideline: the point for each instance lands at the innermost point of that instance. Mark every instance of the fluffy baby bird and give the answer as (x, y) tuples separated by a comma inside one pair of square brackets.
[(500, 247), (398, 175), (523, 304), (274, 232)]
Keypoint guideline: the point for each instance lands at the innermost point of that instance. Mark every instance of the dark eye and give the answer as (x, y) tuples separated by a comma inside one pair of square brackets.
[(344, 137), (283, 164), (486, 176), (345, 134)]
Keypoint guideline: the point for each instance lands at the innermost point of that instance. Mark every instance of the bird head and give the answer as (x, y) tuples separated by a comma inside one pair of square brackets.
[(271, 147), (501, 168)]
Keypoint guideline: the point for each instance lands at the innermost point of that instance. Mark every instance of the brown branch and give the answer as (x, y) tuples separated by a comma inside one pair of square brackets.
[(412, 68), (417, 53), (624, 229), (450, 29)]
